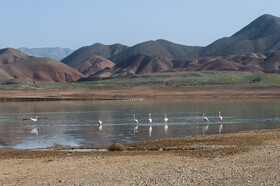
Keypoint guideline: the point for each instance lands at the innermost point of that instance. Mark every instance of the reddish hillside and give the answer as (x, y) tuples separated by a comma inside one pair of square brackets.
[(142, 64), (42, 70), (93, 65), (145, 64), (222, 65), (138, 64), (15, 64)]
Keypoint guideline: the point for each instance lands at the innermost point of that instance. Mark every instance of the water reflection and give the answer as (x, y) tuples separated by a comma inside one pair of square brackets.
[(165, 127), (75, 123), (220, 128)]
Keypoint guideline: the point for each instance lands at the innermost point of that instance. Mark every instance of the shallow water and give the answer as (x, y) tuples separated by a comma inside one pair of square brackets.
[(75, 123)]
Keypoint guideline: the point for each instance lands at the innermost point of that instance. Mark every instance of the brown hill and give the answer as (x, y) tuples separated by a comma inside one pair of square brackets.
[(93, 65), (134, 65), (220, 64), (42, 70), (159, 47), (16, 64), (97, 49), (9, 55)]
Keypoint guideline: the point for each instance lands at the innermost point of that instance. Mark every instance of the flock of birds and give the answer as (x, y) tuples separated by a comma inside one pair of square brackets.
[(165, 119), (205, 128)]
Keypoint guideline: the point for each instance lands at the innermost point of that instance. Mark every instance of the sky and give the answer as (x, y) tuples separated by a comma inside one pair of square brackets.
[(76, 23)]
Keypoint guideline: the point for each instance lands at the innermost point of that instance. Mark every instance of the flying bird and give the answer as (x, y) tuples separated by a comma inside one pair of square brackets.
[(34, 119)]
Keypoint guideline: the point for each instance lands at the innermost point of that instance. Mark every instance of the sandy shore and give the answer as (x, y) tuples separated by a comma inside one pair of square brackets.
[(246, 158)]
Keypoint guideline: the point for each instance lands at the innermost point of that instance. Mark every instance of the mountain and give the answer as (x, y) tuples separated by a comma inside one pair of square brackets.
[(93, 65), (134, 65), (15, 64), (56, 53), (261, 35), (161, 48), (97, 49)]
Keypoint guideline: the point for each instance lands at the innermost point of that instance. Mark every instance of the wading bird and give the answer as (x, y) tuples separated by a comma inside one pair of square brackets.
[(220, 117), (221, 125), (206, 120), (100, 125), (136, 123), (150, 128), (165, 118)]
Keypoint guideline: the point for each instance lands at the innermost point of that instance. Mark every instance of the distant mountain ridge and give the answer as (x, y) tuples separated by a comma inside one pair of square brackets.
[(261, 35), (56, 53), (97, 49)]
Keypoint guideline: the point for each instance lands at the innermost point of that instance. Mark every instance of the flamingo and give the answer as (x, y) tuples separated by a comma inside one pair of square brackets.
[(136, 121), (206, 120), (150, 118), (165, 118), (220, 117), (150, 128), (221, 125), (34, 119), (100, 125)]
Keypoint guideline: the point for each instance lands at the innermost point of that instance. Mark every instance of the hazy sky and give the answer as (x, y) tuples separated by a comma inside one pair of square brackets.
[(76, 23)]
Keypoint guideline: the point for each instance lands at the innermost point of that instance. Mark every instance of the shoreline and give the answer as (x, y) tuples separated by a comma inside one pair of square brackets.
[(243, 158), (167, 145)]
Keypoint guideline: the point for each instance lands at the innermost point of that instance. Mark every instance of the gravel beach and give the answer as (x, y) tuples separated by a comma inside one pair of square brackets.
[(246, 158)]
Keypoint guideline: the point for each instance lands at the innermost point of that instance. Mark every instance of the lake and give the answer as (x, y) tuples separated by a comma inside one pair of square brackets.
[(75, 123)]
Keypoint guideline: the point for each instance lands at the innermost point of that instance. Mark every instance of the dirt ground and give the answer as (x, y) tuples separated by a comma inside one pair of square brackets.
[(232, 92), (246, 158)]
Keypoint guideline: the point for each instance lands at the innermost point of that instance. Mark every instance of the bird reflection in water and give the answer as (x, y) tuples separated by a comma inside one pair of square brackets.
[(34, 131)]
